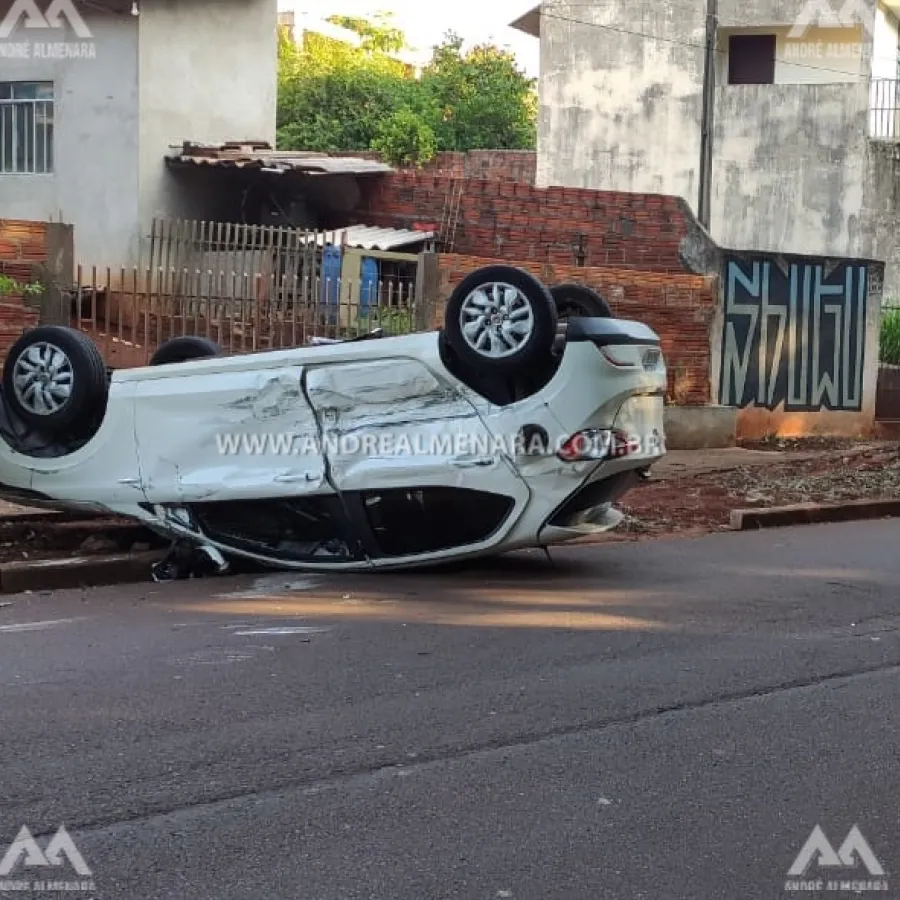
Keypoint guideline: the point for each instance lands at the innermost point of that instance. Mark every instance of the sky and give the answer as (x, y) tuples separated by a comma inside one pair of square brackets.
[(425, 23)]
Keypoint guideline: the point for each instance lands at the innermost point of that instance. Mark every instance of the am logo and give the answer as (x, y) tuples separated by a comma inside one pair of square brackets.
[(26, 850)]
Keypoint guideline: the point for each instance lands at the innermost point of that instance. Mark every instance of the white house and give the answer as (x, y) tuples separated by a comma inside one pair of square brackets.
[(805, 136), (92, 99)]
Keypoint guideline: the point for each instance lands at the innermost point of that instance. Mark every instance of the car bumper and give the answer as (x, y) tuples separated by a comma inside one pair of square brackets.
[(589, 510), (599, 520)]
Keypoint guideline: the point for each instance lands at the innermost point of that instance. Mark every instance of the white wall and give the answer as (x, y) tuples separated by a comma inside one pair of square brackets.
[(789, 167), (881, 213), (95, 180), (208, 74), (182, 70), (617, 111), (884, 47), (622, 112)]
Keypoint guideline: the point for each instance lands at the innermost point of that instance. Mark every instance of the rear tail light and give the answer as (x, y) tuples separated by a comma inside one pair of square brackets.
[(598, 444), (632, 357)]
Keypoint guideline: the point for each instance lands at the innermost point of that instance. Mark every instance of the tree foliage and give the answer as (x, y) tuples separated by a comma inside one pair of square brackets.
[(335, 96), (405, 138), (483, 101), (378, 35)]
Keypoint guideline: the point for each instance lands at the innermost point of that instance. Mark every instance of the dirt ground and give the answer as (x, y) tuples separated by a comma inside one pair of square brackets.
[(27, 535), (689, 493), (695, 493)]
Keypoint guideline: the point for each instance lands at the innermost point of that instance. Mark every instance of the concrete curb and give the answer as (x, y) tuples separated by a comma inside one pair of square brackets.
[(85, 571), (55, 516), (813, 514), (133, 568)]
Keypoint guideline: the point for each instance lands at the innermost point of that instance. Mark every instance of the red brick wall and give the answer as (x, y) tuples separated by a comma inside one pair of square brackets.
[(22, 245), (499, 165), (680, 308), (518, 221)]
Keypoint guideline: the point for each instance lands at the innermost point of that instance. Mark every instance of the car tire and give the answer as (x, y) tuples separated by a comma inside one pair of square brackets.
[(184, 349), (579, 301), (55, 378), (514, 297)]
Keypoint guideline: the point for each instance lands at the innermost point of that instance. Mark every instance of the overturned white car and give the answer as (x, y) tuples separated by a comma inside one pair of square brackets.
[(517, 425)]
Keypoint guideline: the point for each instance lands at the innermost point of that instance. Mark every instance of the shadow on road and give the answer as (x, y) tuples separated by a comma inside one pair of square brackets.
[(720, 583)]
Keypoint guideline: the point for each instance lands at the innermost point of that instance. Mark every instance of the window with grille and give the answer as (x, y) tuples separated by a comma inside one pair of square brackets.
[(26, 127)]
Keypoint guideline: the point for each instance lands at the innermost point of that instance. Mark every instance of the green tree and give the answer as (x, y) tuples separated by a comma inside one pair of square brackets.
[(334, 96), (405, 139), (485, 101)]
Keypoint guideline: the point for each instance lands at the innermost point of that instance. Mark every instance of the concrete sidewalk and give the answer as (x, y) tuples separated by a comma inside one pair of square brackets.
[(698, 462)]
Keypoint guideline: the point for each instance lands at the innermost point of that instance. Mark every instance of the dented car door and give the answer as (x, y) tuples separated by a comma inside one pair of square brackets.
[(392, 428), (230, 429)]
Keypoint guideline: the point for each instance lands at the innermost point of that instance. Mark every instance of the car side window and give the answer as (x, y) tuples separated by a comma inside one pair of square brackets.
[(406, 522)]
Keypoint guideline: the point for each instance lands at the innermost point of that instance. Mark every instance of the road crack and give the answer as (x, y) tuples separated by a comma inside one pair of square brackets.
[(429, 759)]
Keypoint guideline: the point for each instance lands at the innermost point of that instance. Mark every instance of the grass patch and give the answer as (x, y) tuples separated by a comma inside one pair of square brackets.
[(394, 321), (889, 345)]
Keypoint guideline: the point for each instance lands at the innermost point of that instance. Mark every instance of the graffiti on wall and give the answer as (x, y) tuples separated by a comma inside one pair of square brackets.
[(794, 334)]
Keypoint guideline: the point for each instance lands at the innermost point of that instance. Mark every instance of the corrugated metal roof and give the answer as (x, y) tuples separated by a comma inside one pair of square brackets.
[(261, 157), (368, 237)]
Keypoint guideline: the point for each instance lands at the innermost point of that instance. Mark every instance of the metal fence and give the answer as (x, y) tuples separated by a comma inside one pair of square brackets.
[(884, 108), (129, 313), (179, 245), (181, 248)]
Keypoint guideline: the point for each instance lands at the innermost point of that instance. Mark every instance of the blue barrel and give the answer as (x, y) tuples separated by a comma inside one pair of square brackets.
[(331, 281), (368, 289)]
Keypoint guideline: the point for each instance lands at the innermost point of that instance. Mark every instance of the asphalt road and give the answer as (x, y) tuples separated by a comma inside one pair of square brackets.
[(665, 720)]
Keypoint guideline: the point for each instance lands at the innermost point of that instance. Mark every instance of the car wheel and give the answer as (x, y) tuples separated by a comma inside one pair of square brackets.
[(577, 301), (500, 320), (54, 378), (184, 349)]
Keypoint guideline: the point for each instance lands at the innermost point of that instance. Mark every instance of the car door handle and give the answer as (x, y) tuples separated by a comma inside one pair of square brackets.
[(469, 462), (290, 479), (130, 481)]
